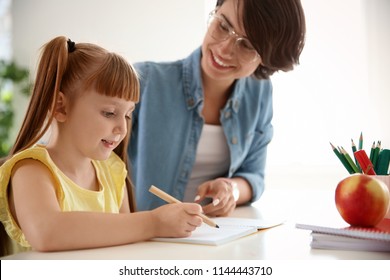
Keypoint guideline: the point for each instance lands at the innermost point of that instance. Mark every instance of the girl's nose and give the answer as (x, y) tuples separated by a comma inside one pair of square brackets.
[(121, 126)]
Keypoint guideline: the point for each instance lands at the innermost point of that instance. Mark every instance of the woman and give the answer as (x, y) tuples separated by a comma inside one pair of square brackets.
[(203, 123)]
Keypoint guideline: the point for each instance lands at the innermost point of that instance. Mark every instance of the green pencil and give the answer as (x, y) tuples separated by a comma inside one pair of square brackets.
[(353, 152), (361, 141), (372, 151), (383, 162), (342, 159), (349, 160), (376, 153)]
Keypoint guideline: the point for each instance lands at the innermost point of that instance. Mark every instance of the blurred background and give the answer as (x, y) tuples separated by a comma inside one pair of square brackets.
[(339, 90)]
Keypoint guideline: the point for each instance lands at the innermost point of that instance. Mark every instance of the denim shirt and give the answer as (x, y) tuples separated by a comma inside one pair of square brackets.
[(167, 124)]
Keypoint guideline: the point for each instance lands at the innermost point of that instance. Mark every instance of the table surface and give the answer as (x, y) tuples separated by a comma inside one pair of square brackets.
[(284, 242)]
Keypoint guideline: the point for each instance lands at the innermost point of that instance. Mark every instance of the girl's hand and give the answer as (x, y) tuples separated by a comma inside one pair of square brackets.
[(177, 219), (221, 192)]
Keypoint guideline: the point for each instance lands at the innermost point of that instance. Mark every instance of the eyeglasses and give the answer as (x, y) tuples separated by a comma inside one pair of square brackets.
[(220, 30)]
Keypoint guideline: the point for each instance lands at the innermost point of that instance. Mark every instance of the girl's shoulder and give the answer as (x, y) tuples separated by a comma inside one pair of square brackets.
[(37, 152)]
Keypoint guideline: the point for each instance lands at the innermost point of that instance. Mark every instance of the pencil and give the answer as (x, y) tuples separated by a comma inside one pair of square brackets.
[(372, 151), (365, 162), (170, 199), (353, 152), (383, 162), (361, 141), (349, 159), (375, 155), (342, 159)]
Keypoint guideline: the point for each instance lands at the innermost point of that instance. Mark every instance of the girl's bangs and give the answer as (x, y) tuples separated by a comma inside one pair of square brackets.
[(117, 78)]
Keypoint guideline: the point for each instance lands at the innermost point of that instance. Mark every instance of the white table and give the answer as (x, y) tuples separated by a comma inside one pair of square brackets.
[(283, 242)]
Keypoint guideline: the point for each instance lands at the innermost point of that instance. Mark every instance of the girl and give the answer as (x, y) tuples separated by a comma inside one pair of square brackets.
[(214, 121), (74, 192)]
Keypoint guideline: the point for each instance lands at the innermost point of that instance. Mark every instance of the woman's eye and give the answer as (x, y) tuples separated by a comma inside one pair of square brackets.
[(247, 45), (224, 27)]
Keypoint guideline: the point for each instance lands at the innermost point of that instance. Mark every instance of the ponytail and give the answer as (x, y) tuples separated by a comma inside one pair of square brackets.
[(40, 111)]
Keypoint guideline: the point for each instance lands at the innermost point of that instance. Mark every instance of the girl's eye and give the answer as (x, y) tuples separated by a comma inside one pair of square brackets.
[(108, 114)]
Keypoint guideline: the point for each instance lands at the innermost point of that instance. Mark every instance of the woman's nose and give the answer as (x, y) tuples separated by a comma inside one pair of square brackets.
[(227, 47)]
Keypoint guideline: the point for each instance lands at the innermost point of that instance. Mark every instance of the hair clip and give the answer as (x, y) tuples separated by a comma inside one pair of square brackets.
[(71, 46)]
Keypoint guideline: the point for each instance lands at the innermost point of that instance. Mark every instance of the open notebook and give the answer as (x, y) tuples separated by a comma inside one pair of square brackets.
[(229, 229)]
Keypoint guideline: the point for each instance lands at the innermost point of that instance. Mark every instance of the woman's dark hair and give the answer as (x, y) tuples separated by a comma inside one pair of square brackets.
[(277, 30)]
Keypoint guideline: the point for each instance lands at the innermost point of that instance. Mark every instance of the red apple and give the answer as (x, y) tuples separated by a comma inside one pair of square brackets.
[(362, 200)]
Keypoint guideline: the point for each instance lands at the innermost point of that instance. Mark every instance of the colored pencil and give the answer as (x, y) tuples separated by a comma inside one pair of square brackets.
[(376, 153), (349, 160), (372, 151), (383, 162), (353, 152), (377, 164), (342, 159), (365, 162), (361, 141)]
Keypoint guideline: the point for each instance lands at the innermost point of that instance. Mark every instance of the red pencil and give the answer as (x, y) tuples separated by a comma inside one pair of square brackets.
[(364, 162)]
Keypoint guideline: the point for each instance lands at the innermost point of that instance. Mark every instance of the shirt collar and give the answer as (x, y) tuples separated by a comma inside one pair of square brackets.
[(192, 81)]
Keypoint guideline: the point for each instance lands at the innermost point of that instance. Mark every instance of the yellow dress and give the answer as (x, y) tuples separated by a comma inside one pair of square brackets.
[(111, 175)]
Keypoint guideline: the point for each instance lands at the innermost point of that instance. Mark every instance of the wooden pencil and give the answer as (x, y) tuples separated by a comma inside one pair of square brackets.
[(170, 199)]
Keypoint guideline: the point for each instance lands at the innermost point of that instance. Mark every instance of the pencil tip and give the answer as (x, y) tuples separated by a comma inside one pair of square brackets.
[(217, 226)]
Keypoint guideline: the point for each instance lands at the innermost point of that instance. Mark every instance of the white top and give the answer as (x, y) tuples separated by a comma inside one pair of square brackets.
[(212, 159)]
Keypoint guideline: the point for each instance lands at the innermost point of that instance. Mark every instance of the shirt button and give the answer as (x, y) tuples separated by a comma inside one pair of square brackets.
[(227, 114), (235, 105), (234, 140), (190, 102)]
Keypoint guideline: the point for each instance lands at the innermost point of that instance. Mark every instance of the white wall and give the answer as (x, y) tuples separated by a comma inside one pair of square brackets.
[(378, 36), (340, 89), (137, 29)]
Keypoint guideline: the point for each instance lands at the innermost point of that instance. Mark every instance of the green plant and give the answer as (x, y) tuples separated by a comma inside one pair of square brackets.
[(12, 78)]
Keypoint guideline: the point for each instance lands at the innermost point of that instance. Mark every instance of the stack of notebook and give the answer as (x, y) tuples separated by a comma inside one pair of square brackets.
[(350, 238)]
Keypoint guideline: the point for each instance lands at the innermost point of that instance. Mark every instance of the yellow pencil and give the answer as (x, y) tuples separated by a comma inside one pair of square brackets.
[(170, 199)]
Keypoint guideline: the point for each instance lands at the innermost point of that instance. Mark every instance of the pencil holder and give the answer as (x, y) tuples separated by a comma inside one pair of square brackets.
[(385, 179)]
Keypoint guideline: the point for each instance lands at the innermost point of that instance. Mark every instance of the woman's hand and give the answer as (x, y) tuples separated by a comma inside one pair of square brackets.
[(222, 192)]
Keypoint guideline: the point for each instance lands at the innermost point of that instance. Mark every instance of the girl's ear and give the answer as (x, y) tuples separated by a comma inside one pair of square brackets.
[(61, 108)]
